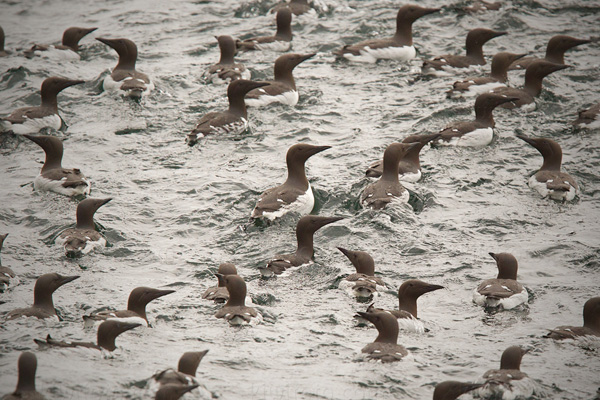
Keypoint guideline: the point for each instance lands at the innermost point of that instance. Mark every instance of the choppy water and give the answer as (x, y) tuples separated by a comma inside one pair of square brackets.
[(178, 211)]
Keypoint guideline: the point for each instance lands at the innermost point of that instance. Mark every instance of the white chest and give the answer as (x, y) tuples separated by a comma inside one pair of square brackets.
[(279, 45), (303, 205), (411, 176), (411, 324), (110, 84), (34, 125), (558, 195), (369, 55), (43, 184), (504, 303), (289, 98), (476, 138)]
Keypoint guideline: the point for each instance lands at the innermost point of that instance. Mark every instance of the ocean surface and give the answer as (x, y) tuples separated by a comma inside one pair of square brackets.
[(178, 211)]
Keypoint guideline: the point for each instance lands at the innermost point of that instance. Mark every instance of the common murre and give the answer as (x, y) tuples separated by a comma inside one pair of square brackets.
[(136, 307), (33, 119), (479, 132), (43, 306), (550, 181), (476, 38), (105, 338), (388, 188), (409, 168), (503, 291), (398, 47), (235, 310), (385, 348), (478, 85), (555, 51), (295, 194), (25, 389), (227, 70), (53, 177), (283, 88), (363, 284), (282, 39), (508, 382), (534, 76), (591, 323), (234, 120), (69, 48), (124, 76), (305, 230), (84, 237)]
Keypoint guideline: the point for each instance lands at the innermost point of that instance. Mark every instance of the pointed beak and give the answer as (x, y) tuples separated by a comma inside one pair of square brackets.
[(318, 149), (254, 85), (105, 201), (579, 42), (558, 67), (496, 34), (532, 142), (344, 251), (431, 288), (330, 220), (493, 256), (67, 279), (161, 293), (307, 56), (427, 11), (467, 387), (72, 83), (366, 315), (90, 30), (519, 56), (108, 42), (127, 326), (33, 138), (362, 314)]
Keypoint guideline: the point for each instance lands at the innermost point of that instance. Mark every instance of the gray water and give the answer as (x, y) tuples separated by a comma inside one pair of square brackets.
[(178, 211)]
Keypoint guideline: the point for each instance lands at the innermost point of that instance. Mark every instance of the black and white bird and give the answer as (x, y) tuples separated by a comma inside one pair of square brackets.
[(388, 188), (67, 50), (385, 348), (84, 238), (53, 177), (227, 70), (448, 63), (305, 230), (283, 88), (508, 382), (398, 47), (503, 291), (232, 121), (478, 132), (295, 194), (591, 324), (33, 119), (281, 41), (550, 181), (124, 77)]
